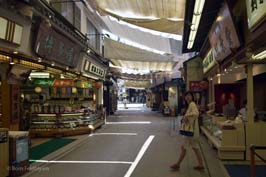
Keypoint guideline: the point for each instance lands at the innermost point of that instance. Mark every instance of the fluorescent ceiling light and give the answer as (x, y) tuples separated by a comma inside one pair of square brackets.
[(39, 75), (158, 33), (260, 56), (198, 7)]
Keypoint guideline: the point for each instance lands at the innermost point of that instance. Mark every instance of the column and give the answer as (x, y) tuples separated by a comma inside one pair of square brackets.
[(250, 93), (100, 95)]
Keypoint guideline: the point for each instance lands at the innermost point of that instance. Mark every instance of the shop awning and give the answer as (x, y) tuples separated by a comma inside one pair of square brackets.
[(134, 58), (160, 15), (137, 84)]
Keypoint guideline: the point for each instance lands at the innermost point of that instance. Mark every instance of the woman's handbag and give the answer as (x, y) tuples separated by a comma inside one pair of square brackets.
[(186, 129)]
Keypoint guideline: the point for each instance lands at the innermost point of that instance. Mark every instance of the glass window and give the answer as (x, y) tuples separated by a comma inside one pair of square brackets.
[(77, 17)]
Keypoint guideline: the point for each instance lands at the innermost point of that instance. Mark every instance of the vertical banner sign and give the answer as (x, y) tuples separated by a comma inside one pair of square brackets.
[(208, 62), (256, 10), (223, 36)]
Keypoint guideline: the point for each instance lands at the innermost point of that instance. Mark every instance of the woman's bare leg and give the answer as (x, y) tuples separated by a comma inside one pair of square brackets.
[(182, 155), (199, 157)]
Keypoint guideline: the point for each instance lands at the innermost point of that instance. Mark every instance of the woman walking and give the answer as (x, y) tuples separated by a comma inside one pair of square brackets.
[(190, 118)]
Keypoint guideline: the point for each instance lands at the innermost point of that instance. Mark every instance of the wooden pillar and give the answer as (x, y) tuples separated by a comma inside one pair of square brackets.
[(250, 94), (6, 104)]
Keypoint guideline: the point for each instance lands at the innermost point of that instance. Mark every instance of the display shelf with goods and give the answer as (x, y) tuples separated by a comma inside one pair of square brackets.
[(61, 108), (227, 136)]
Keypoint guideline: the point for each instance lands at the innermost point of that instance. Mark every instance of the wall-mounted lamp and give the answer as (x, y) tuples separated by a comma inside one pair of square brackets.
[(12, 62)]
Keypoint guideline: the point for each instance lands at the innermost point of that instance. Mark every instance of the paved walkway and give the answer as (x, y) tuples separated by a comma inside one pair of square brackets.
[(135, 142)]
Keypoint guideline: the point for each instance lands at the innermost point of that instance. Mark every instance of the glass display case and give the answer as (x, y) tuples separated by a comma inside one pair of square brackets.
[(44, 125), (227, 136)]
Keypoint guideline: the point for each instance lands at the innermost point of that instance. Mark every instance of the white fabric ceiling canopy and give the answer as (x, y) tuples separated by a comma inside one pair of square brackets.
[(147, 13), (135, 58)]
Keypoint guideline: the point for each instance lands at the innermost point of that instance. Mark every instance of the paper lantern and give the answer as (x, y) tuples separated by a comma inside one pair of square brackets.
[(38, 89), (74, 90), (98, 85), (204, 85)]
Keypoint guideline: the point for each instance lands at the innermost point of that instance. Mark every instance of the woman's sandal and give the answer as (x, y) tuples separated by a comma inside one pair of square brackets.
[(200, 168), (174, 167)]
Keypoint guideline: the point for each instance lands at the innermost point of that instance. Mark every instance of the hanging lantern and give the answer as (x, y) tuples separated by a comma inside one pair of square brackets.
[(204, 85), (38, 89), (98, 85)]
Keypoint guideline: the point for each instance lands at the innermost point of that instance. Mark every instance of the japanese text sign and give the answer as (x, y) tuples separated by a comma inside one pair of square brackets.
[(223, 36), (256, 10), (52, 45)]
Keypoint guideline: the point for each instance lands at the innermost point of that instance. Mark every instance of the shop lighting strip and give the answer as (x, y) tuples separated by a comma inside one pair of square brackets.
[(198, 7)]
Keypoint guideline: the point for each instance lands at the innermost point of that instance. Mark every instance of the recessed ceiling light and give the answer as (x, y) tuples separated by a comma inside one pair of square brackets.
[(15, 52)]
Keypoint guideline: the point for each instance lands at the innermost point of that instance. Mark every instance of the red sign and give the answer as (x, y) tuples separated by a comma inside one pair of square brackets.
[(194, 86), (63, 83), (223, 36)]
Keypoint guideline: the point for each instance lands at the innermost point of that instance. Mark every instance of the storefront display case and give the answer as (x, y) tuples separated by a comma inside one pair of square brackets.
[(227, 136), (63, 124)]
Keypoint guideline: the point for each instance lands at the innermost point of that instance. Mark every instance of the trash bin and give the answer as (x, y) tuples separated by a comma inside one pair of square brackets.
[(4, 152), (18, 153)]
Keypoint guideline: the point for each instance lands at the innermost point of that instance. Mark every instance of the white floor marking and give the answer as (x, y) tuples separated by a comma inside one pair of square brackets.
[(130, 134), (118, 116), (141, 122), (81, 162), (139, 156)]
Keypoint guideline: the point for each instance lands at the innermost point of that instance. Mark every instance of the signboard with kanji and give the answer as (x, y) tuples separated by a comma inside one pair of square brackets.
[(63, 83), (223, 36), (256, 10), (52, 45)]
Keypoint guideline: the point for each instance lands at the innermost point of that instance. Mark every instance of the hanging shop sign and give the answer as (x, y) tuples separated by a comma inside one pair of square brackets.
[(94, 69), (63, 83), (83, 84), (256, 10), (208, 62), (43, 82), (223, 36), (52, 45), (10, 31), (195, 86)]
